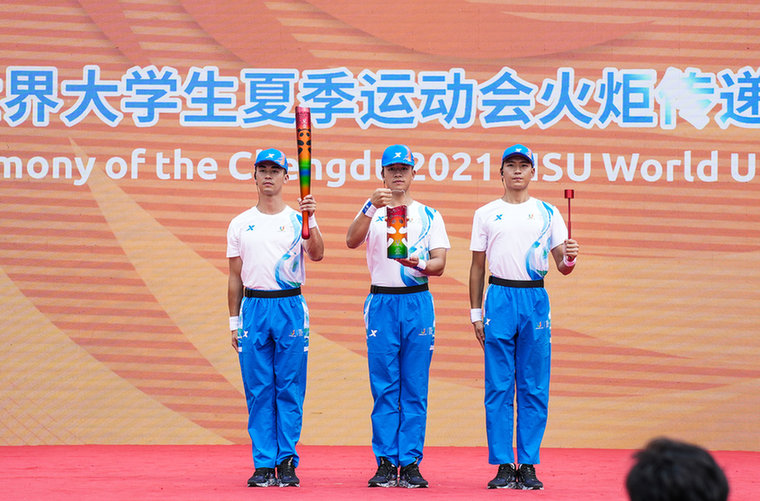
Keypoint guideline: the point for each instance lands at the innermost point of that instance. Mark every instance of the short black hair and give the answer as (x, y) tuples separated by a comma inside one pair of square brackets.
[(670, 470)]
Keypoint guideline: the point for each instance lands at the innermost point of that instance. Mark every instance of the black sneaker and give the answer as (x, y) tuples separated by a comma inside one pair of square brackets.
[(411, 477), (526, 477), (506, 478), (385, 476), (262, 477), (286, 474)]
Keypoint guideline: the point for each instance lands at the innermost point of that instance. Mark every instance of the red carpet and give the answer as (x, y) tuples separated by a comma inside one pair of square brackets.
[(190, 472)]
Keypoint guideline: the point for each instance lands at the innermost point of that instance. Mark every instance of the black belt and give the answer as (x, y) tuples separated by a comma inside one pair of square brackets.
[(515, 283), (280, 293), (377, 289)]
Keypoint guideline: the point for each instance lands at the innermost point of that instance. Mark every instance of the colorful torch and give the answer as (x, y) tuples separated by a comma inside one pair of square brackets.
[(396, 224), (303, 139)]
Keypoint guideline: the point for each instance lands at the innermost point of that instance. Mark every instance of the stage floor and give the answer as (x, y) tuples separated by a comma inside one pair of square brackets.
[(200, 472)]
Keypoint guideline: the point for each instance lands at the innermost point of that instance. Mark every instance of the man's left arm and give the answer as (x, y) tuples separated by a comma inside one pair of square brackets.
[(314, 245), (436, 261), (564, 256), (432, 267)]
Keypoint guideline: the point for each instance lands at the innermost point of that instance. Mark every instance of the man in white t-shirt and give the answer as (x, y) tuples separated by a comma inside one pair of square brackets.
[(516, 233), (269, 319), (399, 319)]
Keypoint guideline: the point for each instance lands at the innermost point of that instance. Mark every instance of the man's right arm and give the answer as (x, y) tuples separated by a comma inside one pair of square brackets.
[(357, 232), (477, 282), (234, 292)]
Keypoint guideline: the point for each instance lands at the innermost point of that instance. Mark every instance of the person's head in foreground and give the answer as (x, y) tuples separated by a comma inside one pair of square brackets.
[(669, 470)]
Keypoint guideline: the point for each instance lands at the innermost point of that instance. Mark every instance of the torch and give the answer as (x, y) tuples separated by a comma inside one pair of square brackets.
[(303, 140), (569, 195)]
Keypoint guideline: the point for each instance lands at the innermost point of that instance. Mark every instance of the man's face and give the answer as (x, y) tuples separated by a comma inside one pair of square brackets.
[(398, 177), (516, 172), (269, 178)]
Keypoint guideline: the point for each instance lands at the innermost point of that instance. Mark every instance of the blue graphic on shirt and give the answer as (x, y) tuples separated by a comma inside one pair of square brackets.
[(537, 258), (425, 215), (281, 272)]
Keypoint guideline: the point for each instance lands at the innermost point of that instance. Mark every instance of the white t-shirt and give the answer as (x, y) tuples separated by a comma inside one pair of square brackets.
[(270, 246), (425, 231), (517, 238)]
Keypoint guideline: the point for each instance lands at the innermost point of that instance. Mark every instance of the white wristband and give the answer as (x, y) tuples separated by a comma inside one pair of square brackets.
[(568, 263), (421, 265), (313, 221), (476, 315), (369, 209), (234, 323)]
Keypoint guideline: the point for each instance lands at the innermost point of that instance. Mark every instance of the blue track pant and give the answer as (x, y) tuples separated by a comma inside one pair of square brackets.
[(275, 344), (517, 357), (400, 335)]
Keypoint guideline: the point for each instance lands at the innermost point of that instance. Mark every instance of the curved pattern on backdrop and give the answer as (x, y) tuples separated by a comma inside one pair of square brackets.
[(113, 327)]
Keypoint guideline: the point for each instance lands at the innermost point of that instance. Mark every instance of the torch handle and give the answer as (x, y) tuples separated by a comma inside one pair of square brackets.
[(305, 225)]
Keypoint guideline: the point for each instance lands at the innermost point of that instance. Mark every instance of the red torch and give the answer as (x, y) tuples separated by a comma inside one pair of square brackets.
[(569, 195)]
